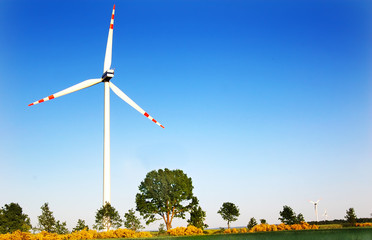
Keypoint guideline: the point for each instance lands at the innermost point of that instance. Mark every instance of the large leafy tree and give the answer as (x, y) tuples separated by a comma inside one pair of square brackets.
[(197, 217), (12, 218), (288, 216), (131, 221), (107, 217), (229, 212), (165, 193), (47, 222)]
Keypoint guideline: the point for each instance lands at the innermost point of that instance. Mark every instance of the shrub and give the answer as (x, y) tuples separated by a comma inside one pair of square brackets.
[(227, 231), (77, 235), (182, 231), (282, 227), (367, 224)]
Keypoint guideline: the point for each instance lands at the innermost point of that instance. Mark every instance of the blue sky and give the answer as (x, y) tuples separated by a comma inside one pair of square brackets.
[(264, 103)]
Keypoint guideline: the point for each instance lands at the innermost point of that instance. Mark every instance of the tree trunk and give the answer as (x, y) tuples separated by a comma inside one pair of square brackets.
[(228, 224), (169, 225), (167, 221)]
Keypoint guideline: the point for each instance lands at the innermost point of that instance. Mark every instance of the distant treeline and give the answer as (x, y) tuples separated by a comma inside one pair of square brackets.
[(340, 221)]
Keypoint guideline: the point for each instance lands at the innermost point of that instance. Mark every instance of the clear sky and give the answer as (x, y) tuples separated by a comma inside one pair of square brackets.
[(264, 103)]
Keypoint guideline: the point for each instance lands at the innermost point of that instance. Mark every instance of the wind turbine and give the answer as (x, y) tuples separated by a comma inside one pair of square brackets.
[(315, 208), (108, 73), (325, 215)]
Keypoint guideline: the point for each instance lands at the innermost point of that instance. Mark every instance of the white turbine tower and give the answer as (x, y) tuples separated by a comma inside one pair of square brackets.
[(315, 208), (107, 75), (325, 215)]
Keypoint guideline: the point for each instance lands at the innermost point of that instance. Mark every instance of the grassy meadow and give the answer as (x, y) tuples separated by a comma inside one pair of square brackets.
[(327, 232)]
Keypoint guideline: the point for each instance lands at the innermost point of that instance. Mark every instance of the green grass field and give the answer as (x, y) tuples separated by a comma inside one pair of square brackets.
[(330, 226), (364, 233)]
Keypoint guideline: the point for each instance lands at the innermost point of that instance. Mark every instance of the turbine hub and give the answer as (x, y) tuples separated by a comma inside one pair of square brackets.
[(108, 75)]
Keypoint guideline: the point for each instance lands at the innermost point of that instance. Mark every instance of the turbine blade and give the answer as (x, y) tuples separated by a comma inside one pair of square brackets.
[(79, 86), (108, 55), (123, 96)]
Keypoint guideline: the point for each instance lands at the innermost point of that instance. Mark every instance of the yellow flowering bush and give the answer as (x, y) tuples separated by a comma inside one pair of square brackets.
[(364, 224), (83, 234), (267, 228), (282, 227), (182, 231), (178, 231), (78, 235), (243, 230), (227, 231), (191, 230)]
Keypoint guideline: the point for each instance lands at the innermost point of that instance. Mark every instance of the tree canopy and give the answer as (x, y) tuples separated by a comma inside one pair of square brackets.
[(252, 223), (61, 228), (12, 218), (47, 222), (131, 221), (80, 225), (288, 216), (229, 212), (351, 217), (300, 218), (165, 193), (107, 217), (197, 217)]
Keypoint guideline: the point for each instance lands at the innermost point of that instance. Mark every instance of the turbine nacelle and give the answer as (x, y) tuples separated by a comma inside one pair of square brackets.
[(108, 75)]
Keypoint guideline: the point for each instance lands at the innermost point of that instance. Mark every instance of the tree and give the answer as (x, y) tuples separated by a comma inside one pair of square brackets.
[(263, 221), (197, 217), (252, 223), (300, 218), (131, 221), (229, 212), (351, 216), (165, 193), (288, 216), (107, 217), (61, 228), (80, 226), (12, 218), (47, 222)]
